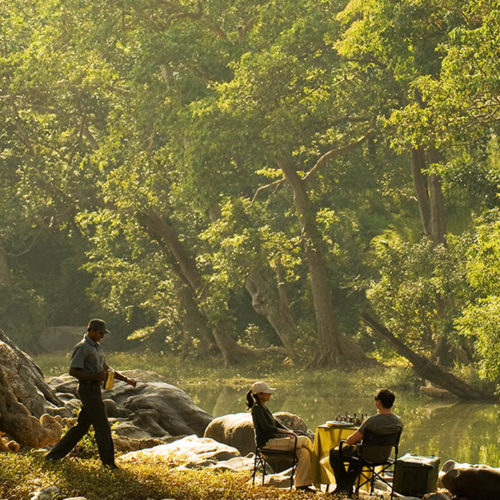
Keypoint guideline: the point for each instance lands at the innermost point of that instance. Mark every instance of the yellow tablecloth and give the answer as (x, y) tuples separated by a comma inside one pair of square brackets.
[(326, 438)]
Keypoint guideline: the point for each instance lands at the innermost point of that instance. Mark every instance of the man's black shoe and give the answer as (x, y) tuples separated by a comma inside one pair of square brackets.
[(111, 466)]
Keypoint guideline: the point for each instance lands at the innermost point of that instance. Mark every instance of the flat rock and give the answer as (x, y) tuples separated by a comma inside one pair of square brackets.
[(192, 451)]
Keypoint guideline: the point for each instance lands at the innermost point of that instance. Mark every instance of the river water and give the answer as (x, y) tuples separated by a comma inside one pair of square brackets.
[(447, 429)]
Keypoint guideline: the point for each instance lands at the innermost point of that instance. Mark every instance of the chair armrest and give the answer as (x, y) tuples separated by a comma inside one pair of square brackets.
[(341, 445)]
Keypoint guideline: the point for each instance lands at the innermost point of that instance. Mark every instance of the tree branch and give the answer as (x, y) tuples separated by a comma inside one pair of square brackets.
[(335, 152)]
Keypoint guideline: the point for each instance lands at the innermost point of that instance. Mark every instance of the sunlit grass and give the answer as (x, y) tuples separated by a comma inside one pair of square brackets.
[(23, 474)]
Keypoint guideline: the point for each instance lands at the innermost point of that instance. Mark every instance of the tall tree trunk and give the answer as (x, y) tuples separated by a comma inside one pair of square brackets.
[(329, 349), (426, 369), (221, 329), (429, 196), (438, 213), (5, 278), (273, 305), (420, 184)]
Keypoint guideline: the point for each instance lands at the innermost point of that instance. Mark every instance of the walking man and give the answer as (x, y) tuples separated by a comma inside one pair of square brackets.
[(89, 367)]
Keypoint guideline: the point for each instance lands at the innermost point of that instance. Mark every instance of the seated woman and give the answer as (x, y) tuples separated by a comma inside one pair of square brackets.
[(269, 433)]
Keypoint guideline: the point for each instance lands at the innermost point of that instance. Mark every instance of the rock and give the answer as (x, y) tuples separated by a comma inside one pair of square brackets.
[(176, 412), (153, 410), (295, 423), (236, 429), (123, 443), (26, 379), (474, 482), (24, 398), (437, 496), (113, 410), (192, 451), (48, 493), (8, 445), (65, 386), (236, 464), (31, 410)]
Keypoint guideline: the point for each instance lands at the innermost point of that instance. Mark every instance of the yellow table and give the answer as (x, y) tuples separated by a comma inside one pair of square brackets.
[(326, 438)]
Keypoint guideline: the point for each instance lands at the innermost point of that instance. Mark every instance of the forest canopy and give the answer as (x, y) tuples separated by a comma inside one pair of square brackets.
[(222, 177)]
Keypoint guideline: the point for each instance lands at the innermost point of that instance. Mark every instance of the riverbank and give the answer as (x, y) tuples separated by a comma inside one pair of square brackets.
[(195, 372), (445, 428)]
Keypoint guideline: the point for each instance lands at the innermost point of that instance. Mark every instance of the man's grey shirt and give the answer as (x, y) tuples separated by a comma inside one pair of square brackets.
[(88, 355)]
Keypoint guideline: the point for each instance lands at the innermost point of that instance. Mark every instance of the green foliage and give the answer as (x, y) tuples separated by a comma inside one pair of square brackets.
[(22, 311), (480, 321), (180, 110), (480, 318), (420, 290)]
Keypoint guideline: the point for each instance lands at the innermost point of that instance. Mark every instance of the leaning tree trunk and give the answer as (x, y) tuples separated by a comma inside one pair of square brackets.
[(230, 350), (426, 369)]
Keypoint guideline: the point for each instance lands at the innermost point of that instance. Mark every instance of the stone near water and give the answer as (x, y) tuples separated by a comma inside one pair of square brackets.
[(154, 409), (237, 430), (471, 481), (192, 451)]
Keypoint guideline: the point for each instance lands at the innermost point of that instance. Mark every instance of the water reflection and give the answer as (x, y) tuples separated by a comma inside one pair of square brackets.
[(460, 431)]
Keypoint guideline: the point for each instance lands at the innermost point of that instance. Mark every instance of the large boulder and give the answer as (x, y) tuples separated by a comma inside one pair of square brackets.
[(471, 482), (236, 430), (27, 403), (153, 409)]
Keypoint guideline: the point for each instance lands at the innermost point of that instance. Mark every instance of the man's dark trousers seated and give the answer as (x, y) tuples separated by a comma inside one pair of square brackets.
[(92, 413), (345, 478)]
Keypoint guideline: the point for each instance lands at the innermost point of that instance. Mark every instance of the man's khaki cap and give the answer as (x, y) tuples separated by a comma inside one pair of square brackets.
[(99, 325), (261, 387)]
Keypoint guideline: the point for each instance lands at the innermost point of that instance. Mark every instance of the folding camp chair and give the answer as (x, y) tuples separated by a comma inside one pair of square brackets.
[(382, 470), (264, 455)]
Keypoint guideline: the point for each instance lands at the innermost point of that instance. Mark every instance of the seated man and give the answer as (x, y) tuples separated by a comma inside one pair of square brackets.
[(385, 422)]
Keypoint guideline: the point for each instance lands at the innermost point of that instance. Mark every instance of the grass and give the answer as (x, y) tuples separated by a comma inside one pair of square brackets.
[(185, 373), (23, 474)]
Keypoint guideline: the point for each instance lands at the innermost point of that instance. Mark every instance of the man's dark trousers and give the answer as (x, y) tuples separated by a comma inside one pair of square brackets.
[(344, 478), (92, 413)]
